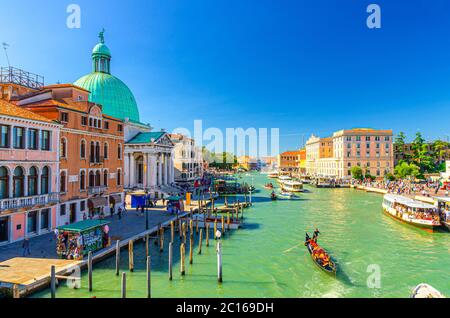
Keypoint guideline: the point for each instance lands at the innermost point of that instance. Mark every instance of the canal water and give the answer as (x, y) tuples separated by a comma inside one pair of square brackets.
[(262, 260)]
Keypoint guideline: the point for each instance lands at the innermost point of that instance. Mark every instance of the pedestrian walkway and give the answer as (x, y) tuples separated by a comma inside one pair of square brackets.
[(131, 224)]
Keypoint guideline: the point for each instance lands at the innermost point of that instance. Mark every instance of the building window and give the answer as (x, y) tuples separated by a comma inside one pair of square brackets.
[(33, 137), (91, 179), (45, 140), (19, 138), (45, 219), (18, 180), (82, 180), (4, 183), (63, 182), (32, 222), (82, 206), (119, 128), (62, 210), (45, 185), (83, 149), (4, 138), (119, 152), (63, 148), (106, 125), (33, 182), (84, 121), (97, 179), (90, 122), (105, 150), (64, 117), (119, 177), (105, 178)]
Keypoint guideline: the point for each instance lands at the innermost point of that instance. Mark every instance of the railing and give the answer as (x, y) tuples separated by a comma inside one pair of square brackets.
[(17, 76), (97, 190), (96, 160), (27, 202)]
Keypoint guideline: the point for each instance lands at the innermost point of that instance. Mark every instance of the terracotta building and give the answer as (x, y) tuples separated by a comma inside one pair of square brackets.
[(91, 152), (291, 161)]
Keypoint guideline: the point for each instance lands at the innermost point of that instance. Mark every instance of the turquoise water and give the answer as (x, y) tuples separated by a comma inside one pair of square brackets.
[(260, 261)]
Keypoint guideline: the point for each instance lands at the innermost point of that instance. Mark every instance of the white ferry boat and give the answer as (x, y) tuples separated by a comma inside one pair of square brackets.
[(411, 211), (444, 208), (292, 186), (273, 174)]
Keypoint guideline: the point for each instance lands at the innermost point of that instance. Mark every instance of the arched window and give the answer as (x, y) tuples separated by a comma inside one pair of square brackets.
[(97, 152), (97, 179), (45, 177), (63, 148), (33, 182), (105, 150), (18, 180), (119, 152), (105, 178), (63, 182), (82, 180), (91, 179), (4, 183), (119, 177), (92, 152), (83, 149)]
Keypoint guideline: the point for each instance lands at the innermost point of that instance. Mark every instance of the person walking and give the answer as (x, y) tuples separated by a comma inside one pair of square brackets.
[(26, 247)]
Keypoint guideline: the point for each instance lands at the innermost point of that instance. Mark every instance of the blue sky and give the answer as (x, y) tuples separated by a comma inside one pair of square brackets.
[(302, 66)]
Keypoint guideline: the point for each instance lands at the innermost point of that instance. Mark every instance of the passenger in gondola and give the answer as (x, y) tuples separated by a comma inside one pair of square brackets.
[(307, 239)]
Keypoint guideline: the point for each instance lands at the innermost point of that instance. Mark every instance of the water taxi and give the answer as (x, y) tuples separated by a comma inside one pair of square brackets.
[(287, 195), (444, 209), (416, 213), (273, 175), (292, 186)]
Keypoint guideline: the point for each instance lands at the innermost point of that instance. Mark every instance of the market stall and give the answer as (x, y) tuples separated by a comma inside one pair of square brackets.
[(78, 239)]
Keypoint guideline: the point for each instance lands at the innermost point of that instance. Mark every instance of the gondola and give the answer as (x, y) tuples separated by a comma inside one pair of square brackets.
[(330, 268), (273, 197), (269, 186)]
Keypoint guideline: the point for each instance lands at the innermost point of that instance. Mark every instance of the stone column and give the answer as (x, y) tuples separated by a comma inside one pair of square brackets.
[(132, 171), (145, 170), (153, 170), (159, 169), (166, 169), (172, 172), (126, 168)]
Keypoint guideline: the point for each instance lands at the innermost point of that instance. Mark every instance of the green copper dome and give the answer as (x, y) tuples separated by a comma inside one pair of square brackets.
[(107, 90)]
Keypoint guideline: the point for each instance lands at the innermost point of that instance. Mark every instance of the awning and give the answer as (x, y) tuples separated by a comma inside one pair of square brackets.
[(97, 202), (115, 199)]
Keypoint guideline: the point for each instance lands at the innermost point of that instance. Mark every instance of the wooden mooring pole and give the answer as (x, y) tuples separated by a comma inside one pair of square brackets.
[(172, 231), (191, 248), (131, 256), (90, 271), (182, 257), (124, 285), (219, 262), (147, 245), (117, 257), (200, 242), (170, 260), (16, 291), (53, 281), (149, 276), (207, 234), (215, 229), (161, 239)]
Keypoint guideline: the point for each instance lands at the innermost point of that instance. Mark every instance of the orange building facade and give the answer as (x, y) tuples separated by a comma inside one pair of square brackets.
[(91, 152)]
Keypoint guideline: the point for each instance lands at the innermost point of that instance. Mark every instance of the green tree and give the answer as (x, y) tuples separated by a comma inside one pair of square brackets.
[(357, 172), (440, 149), (400, 146), (407, 170)]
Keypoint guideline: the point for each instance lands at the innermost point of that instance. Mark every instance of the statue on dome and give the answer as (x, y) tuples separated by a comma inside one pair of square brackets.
[(101, 35)]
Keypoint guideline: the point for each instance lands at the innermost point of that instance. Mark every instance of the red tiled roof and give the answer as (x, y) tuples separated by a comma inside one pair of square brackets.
[(9, 109)]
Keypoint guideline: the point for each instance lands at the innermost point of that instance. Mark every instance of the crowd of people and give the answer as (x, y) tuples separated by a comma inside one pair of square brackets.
[(402, 187)]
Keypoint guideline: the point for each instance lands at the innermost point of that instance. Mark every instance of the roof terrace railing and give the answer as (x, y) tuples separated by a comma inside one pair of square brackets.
[(20, 77)]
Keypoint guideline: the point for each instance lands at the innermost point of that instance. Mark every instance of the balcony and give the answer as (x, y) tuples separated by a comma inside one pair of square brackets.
[(96, 160), (28, 202), (97, 190)]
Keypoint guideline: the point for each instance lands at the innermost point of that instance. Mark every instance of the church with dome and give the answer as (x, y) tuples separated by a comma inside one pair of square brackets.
[(148, 158)]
